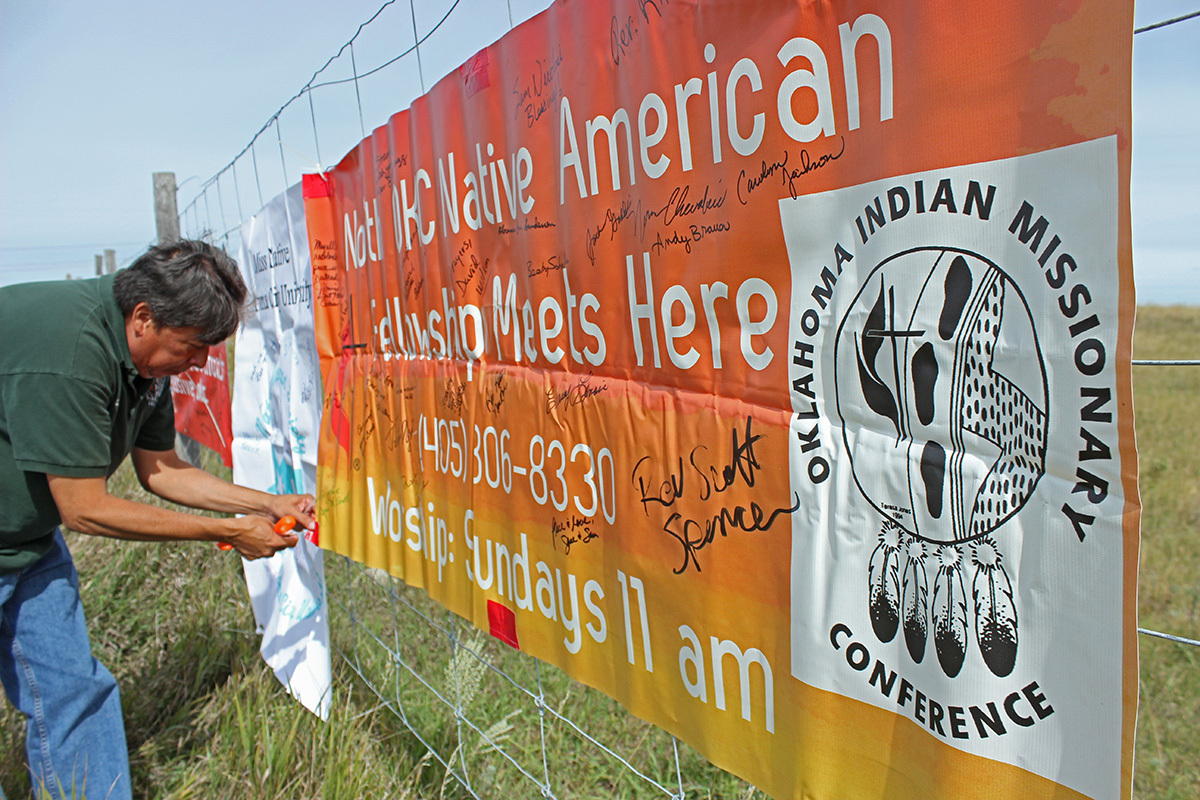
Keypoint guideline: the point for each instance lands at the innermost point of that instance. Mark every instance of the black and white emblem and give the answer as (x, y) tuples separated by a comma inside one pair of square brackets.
[(941, 391)]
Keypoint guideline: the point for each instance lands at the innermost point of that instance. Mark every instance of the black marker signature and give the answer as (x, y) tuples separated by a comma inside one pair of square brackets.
[(476, 271), (542, 92), (413, 281), (645, 4), (525, 225), (662, 493), (693, 234), (383, 171), (622, 32), (573, 394), (571, 531), (494, 392), (454, 397), (740, 466), (693, 536), (551, 264), (678, 205), (611, 222), (787, 176)]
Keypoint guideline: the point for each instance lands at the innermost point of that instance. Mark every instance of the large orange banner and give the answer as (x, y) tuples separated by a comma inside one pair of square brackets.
[(767, 366)]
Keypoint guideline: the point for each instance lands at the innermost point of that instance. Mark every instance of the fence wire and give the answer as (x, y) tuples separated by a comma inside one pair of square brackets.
[(495, 719), (476, 704)]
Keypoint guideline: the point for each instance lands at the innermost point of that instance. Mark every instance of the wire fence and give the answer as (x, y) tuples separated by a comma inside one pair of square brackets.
[(495, 719)]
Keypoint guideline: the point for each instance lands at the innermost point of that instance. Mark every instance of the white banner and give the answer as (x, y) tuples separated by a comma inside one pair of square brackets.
[(276, 416), (968, 564)]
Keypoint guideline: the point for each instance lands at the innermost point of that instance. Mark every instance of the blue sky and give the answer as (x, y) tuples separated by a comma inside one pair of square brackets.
[(95, 97)]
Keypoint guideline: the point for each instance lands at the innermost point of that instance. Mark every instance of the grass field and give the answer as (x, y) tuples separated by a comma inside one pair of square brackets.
[(1167, 408), (206, 719)]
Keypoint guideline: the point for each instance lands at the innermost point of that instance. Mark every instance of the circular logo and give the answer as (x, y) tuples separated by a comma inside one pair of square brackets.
[(942, 394)]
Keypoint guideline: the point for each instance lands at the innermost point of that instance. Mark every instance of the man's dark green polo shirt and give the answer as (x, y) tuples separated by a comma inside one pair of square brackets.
[(71, 403)]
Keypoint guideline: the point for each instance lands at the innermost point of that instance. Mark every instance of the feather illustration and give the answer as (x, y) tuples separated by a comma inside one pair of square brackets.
[(949, 611), (914, 600), (995, 610), (884, 583)]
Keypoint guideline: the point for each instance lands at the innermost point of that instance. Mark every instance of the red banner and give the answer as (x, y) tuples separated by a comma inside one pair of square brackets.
[(202, 410)]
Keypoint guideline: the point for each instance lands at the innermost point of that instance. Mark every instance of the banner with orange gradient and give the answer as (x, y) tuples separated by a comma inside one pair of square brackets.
[(766, 366)]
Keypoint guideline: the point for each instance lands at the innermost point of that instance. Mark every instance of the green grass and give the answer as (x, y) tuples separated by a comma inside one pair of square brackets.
[(1167, 407), (206, 719)]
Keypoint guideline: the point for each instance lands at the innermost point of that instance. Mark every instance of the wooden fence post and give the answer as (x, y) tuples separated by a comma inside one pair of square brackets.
[(166, 224), (166, 212)]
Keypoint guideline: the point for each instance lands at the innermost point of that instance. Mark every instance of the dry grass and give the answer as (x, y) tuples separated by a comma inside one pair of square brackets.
[(1167, 405)]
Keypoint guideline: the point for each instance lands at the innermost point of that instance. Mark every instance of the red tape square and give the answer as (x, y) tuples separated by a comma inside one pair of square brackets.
[(314, 186), (474, 73), (502, 623)]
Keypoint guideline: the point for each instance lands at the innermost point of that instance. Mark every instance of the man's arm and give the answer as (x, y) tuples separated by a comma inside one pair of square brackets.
[(86, 506), (165, 474)]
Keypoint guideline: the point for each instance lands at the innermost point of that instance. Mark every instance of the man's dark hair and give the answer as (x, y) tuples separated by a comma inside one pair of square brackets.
[(186, 284)]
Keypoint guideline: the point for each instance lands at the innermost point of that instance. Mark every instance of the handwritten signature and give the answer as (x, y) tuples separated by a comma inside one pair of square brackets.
[(385, 166), (526, 225), (404, 431), (678, 205), (551, 264), (573, 394), (611, 222), (364, 430), (571, 531), (787, 175), (542, 92), (476, 271), (694, 234), (332, 499), (494, 392), (383, 172), (622, 32), (413, 282), (693, 535), (455, 395)]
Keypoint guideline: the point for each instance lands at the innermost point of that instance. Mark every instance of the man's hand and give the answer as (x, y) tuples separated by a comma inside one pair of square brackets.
[(300, 506), (168, 476), (255, 537)]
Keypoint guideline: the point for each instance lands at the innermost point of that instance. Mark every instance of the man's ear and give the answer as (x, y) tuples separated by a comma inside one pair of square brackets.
[(141, 318)]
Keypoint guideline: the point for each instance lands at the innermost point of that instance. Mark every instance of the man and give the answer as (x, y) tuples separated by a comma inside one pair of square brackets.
[(84, 381)]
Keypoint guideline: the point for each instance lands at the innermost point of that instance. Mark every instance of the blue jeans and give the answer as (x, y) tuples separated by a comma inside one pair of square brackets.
[(75, 736)]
